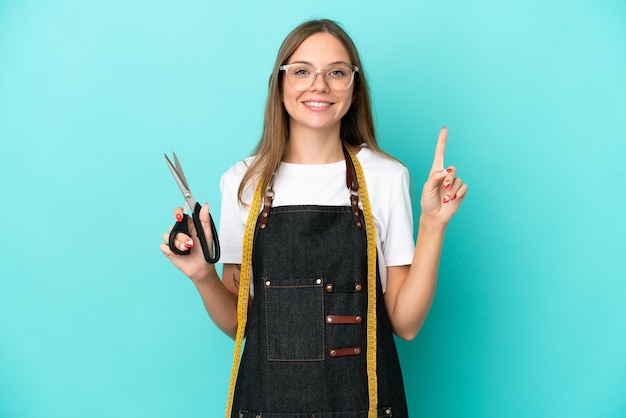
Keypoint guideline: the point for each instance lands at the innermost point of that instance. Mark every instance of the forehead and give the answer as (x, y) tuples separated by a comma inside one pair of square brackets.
[(321, 49)]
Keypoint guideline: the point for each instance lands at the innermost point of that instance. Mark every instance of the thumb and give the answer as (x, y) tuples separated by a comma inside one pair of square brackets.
[(204, 213), (205, 220)]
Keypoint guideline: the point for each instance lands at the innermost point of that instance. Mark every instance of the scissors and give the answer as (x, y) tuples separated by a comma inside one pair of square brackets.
[(191, 205)]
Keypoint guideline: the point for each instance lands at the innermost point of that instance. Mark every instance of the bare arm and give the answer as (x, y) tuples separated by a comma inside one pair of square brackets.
[(411, 288), (218, 296)]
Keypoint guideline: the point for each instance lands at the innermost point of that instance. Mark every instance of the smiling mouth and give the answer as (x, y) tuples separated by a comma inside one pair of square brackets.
[(317, 104)]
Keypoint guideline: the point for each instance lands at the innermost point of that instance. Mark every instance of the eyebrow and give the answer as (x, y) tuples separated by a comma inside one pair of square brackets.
[(309, 63)]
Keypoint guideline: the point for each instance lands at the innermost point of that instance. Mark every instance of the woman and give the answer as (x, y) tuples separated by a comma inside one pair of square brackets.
[(330, 249)]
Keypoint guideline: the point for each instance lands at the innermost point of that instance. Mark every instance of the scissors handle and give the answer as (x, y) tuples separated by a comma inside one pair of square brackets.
[(183, 227)]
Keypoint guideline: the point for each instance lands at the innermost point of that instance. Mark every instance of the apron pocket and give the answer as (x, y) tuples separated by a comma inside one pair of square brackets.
[(294, 319)]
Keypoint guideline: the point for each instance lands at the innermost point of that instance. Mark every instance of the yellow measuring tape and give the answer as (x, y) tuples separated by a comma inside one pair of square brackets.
[(244, 291), (372, 378)]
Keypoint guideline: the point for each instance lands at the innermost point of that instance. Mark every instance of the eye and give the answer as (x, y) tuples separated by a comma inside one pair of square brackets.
[(338, 72), (301, 71)]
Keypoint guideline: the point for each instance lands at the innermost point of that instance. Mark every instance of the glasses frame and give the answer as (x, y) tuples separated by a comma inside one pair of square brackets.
[(286, 67)]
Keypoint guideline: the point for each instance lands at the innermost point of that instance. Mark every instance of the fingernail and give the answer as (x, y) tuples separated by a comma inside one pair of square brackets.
[(444, 127), (189, 243), (449, 170), (446, 199), (183, 247), (446, 184), (454, 198), (179, 217)]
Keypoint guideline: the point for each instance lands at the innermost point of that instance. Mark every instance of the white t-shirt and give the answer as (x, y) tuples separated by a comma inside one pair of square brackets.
[(325, 184)]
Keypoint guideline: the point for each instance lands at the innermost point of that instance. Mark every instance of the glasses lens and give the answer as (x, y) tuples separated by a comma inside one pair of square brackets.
[(339, 77), (302, 77)]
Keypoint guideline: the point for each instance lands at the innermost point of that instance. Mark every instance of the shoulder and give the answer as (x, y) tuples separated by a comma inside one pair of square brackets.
[(380, 165), (233, 176), (237, 170), (231, 179)]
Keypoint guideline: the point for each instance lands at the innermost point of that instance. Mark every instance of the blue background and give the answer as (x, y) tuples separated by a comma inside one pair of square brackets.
[(529, 318)]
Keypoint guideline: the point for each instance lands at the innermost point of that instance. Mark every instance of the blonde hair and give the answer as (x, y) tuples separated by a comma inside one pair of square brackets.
[(357, 125)]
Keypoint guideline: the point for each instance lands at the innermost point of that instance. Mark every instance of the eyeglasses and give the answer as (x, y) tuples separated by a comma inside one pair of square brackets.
[(302, 76)]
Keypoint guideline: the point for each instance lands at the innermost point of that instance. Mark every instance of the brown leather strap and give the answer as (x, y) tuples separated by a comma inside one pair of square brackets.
[(265, 212), (353, 186), (351, 180), (346, 351), (267, 203), (344, 319), (344, 287)]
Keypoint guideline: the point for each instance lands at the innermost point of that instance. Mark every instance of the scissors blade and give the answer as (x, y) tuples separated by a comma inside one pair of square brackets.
[(182, 184), (179, 169)]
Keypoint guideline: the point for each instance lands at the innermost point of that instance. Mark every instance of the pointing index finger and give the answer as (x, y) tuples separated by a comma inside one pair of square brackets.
[(440, 149)]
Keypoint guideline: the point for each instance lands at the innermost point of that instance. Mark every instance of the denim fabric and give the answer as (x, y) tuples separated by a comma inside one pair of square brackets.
[(287, 369), (382, 413)]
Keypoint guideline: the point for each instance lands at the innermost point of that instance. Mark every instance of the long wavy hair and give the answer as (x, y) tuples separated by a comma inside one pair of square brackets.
[(357, 125)]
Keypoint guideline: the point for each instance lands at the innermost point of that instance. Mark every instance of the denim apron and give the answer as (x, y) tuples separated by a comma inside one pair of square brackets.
[(304, 354)]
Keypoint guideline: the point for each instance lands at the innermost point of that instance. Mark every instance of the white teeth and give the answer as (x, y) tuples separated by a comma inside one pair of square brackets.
[(317, 104)]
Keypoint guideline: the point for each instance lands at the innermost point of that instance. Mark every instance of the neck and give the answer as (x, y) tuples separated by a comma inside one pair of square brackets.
[(314, 147)]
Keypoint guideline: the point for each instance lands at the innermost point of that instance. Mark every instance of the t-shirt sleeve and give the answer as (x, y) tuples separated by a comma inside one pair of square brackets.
[(398, 245), (232, 227)]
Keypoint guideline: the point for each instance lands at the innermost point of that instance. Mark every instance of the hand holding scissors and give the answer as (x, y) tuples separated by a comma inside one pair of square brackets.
[(192, 206)]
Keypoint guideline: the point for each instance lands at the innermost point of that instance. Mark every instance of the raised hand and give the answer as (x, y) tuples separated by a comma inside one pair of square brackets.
[(443, 192)]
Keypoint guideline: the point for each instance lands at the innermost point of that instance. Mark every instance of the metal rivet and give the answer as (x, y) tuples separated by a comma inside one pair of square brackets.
[(356, 213), (357, 351), (329, 288), (359, 224), (262, 226), (267, 283), (388, 411), (329, 319), (332, 353), (358, 287), (264, 215), (354, 202), (358, 319), (318, 281)]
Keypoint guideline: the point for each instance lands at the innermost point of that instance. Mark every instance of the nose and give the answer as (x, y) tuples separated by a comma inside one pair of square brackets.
[(319, 83)]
